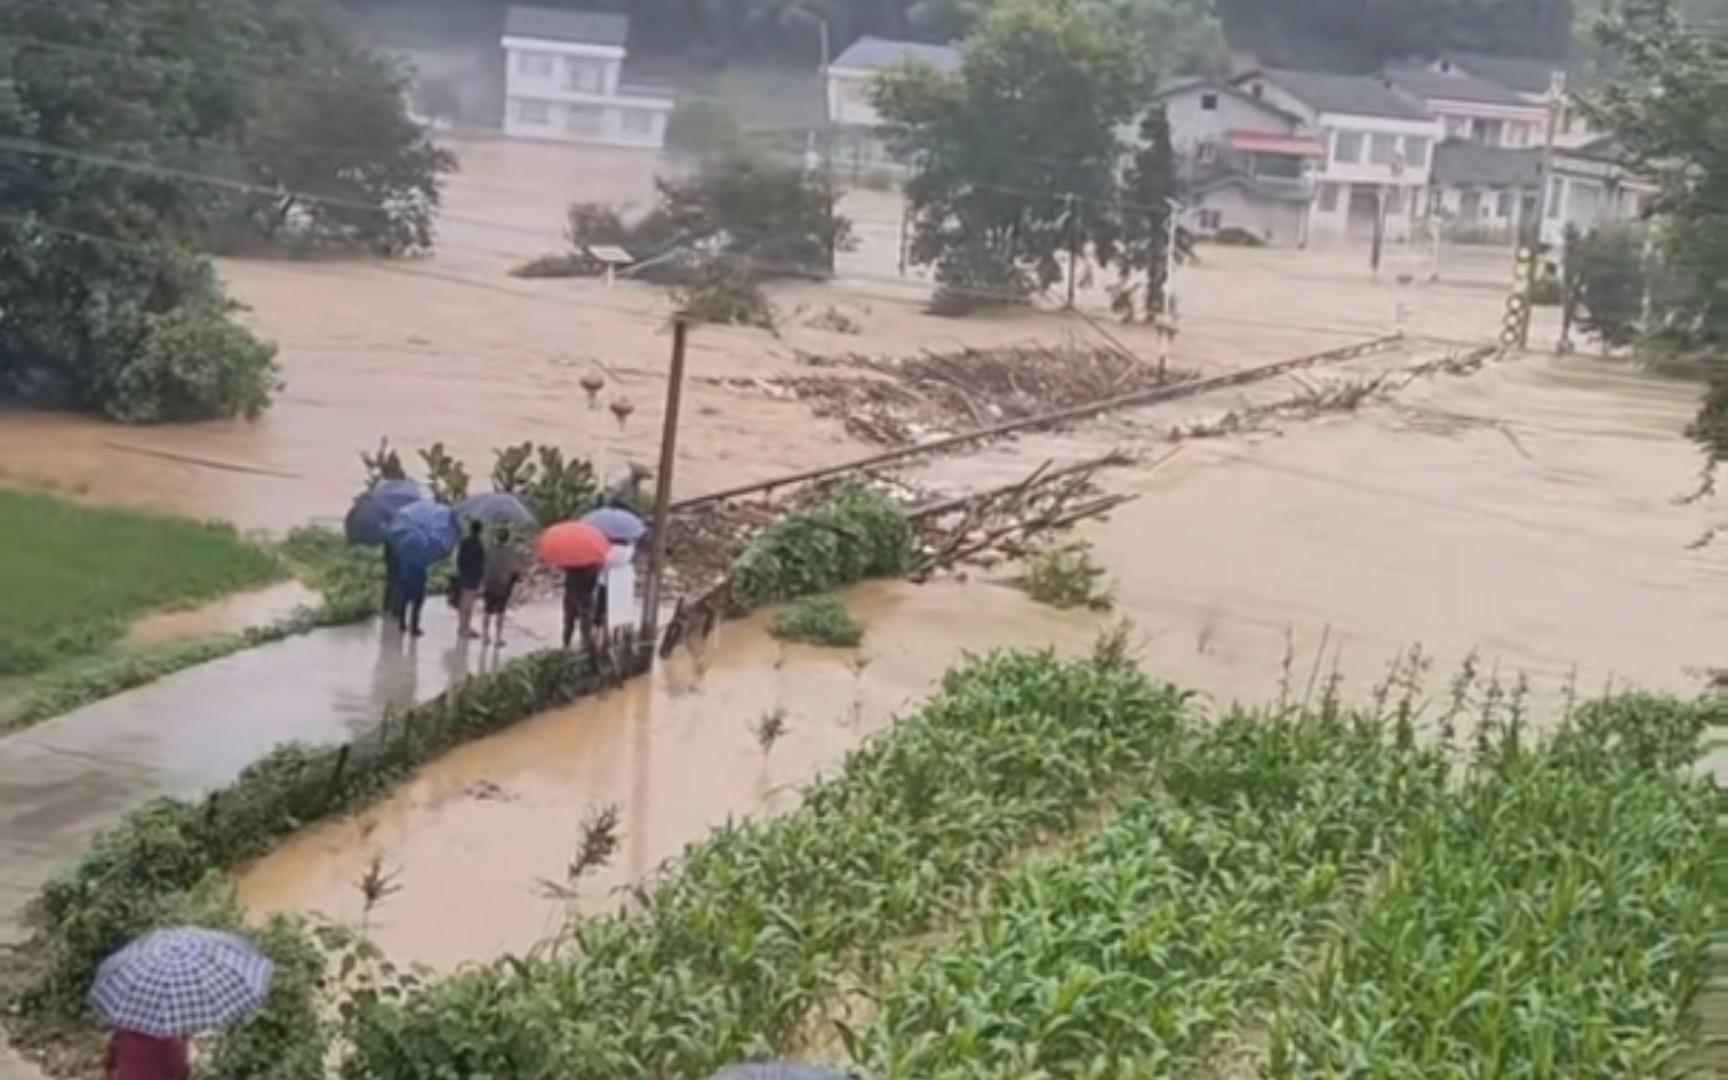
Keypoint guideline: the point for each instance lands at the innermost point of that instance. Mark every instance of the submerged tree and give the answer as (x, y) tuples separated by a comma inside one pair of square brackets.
[(1667, 107), (1015, 155), (129, 128)]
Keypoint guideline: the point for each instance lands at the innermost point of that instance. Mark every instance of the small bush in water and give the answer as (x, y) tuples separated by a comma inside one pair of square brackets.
[(818, 620)]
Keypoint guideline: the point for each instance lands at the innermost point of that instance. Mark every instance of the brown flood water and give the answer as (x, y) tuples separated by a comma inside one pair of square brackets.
[(1525, 513)]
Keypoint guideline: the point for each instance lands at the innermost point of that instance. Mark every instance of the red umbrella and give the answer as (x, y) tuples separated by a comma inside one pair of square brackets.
[(572, 544)]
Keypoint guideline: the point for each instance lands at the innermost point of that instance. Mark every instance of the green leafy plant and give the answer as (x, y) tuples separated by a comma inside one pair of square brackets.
[(445, 475), (855, 533), (822, 619), (560, 488), (1067, 577)]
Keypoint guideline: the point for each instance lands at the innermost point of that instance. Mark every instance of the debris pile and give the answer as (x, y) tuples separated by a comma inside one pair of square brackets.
[(897, 402)]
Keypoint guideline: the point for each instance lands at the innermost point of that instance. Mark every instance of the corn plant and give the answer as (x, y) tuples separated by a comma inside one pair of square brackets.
[(1552, 919), (730, 952), (1189, 911)]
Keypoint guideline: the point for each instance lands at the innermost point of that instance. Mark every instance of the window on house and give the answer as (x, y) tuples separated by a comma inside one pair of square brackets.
[(1457, 127), (1211, 220), (1383, 149), (1347, 147), (1206, 153), (1328, 198), (534, 65), (1503, 203), (1490, 132), (1416, 151), (1209, 102), (584, 76), (1556, 191), (1518, 135), (584, 119), (637, 122), (533, 112)]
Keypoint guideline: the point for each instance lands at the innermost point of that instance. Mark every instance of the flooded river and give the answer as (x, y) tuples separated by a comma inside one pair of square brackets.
[(1525, 513)]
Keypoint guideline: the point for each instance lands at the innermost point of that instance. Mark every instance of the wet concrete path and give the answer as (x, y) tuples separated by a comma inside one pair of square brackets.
[(63, 781)]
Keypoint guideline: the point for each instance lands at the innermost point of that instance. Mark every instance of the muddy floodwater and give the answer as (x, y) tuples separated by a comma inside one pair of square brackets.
[(1526, 513)]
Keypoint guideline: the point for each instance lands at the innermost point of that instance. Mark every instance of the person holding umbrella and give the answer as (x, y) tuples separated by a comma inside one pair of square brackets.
[(470, 572), (580, 550), (169, 985), (498, 581), (420, 535)]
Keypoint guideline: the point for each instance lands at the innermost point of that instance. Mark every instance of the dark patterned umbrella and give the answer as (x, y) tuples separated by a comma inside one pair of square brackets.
[(181, 981)]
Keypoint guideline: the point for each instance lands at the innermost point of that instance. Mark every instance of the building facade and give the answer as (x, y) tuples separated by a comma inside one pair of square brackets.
[(564, 79), (854, 125), (1378, 150)]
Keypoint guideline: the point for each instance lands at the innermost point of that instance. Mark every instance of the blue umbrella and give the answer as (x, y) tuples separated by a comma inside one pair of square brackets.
[(497, 508), (618, 525), (422, 533), (368, 519), (181, 981)]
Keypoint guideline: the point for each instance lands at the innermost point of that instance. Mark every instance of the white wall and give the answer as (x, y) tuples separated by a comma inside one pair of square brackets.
[(1191, 123), (555, 69), (1518, 127), (560, 90), (1278, 223), (849, 98), (1409, 137)]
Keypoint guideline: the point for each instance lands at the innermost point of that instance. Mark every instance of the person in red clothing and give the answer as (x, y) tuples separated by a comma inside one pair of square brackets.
[(132, 1056)]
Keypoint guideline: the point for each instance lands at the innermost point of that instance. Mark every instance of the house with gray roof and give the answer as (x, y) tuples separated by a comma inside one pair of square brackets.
[(857, 129), (564, 79), (1377, 145)]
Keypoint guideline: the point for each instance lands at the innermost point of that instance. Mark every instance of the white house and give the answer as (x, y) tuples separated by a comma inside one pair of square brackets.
[(1471, 108), (564, 79), (1245, 162), (856, 127), (1378, 148)]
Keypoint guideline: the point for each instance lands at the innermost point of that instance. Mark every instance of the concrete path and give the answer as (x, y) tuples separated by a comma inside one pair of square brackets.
[(63, 781)]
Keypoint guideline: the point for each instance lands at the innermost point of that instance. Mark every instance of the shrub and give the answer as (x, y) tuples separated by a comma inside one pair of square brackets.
[(194, 363), (1547, 291), (856, 533), (817, 620), (1067, 578), (721, 291)]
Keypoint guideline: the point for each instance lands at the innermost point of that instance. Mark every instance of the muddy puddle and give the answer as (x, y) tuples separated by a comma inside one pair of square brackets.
[(229, 615), (1525, 513)]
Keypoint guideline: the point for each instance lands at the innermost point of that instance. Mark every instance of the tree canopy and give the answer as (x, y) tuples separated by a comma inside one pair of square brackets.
[(1016, 156), (132, 133)]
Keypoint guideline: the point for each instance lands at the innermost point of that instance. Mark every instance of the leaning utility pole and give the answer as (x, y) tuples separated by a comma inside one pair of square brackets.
[(1073, 249), (663, 490)]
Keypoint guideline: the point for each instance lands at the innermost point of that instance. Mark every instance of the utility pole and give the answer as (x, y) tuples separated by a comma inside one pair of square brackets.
[(1379, 230), (1544, 181), (827, 138), (1073, 249), (1172, 233), (663, 490)]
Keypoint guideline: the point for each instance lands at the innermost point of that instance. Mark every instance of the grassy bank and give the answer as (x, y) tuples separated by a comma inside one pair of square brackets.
[(345, 578), (73, 577)]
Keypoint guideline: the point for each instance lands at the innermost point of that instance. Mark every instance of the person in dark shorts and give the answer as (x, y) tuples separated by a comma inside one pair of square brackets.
[(470, 571), (503, 569), (580, 585)]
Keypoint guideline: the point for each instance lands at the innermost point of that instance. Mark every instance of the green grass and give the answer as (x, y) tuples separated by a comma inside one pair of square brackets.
[(72, 577)]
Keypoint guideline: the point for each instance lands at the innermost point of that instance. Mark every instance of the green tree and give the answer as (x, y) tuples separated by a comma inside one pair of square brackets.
[(1669, 109), (1607, 266), (1149, 186), (127, 129), (1015, 156), (1163, 36), (773, 219)]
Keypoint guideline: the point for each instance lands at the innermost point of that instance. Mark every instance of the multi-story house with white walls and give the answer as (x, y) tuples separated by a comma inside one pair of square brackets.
[(564, 79)]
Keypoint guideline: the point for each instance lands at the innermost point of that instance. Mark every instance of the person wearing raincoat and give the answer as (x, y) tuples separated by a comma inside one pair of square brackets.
[(410, 596)]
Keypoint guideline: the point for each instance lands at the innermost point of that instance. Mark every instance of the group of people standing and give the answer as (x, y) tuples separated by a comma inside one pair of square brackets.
[(486, 577)]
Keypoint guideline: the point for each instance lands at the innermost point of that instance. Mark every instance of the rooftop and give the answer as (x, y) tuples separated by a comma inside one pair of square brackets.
[(876, 54), (576, 27), (1525, 74), (1456, 85), (1201, 84), (1322, 91)]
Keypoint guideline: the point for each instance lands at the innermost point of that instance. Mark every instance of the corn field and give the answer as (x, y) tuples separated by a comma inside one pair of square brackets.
[(1057, 871)]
